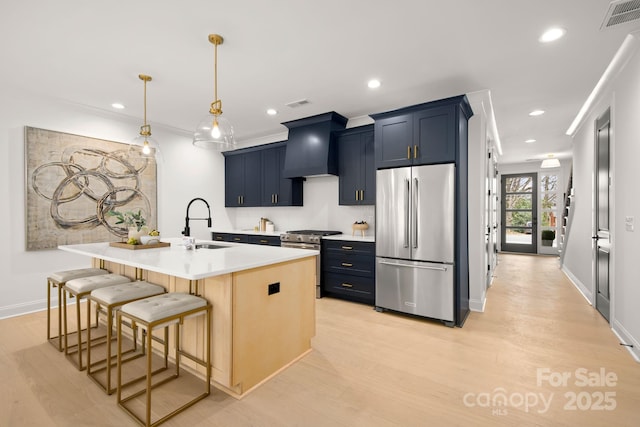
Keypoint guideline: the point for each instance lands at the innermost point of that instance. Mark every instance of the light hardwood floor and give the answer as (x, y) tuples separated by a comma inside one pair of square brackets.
[(381, 369)]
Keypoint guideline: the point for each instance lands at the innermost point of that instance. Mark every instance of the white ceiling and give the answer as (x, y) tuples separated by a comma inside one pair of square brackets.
[(278, 51)]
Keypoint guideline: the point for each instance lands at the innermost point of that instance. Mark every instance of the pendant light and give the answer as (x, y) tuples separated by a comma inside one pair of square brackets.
[(144, 145), (214, 131)]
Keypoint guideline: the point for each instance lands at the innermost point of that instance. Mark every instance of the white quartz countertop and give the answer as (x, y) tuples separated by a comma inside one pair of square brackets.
[(196, 263), (351, 238)]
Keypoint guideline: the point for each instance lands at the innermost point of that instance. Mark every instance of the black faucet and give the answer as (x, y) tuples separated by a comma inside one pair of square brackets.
[(187, 230)]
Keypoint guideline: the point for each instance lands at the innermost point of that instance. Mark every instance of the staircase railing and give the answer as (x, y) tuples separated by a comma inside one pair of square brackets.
[(566, 217)]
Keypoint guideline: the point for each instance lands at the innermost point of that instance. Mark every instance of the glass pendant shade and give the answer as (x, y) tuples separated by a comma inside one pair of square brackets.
[(144, 146), (214, 132)]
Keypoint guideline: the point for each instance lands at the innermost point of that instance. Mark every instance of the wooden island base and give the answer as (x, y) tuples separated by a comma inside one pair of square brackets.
[(263, 319)]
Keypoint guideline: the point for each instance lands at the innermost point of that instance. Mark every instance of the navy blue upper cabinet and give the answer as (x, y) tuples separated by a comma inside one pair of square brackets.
[(356, 166), (393, 141), (276, 190), (242, 179), (420, 134), (253, 177)]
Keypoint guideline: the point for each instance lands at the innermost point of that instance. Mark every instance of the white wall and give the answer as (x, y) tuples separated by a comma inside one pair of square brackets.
[(189, 173), (621, 92), (185, 172)]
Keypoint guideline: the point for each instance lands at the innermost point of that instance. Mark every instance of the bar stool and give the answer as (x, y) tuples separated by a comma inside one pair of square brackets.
[(160, 312), (79, 289), (109, 300), (58, 280)]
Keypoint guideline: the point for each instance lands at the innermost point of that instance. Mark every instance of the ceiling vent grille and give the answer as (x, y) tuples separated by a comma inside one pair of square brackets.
[(621, 12), (301, 102)]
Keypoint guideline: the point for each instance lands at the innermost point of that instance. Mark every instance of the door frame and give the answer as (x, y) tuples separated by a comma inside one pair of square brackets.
[(512, 247), (599, 236)]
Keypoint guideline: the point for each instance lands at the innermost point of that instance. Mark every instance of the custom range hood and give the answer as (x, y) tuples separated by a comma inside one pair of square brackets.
[(311, 149)]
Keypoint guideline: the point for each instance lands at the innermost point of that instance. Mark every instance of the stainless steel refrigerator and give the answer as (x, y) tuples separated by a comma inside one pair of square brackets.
[(415, 240)]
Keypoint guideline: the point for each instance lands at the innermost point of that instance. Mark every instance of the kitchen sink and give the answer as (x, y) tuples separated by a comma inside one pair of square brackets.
[(209, 246)]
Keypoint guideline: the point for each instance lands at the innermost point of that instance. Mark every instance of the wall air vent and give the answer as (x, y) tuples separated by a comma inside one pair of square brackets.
[(621, 12), (301, 102)]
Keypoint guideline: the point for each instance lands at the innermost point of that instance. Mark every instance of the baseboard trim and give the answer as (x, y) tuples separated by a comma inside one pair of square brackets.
[(586, 293), (626, 338), (477, 305), (24, 308)]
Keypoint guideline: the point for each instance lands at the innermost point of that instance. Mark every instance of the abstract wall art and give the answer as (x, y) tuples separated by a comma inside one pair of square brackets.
[(73, 181)]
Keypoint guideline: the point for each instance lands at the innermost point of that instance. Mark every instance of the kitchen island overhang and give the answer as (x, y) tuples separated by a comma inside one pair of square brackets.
[(263, 301)]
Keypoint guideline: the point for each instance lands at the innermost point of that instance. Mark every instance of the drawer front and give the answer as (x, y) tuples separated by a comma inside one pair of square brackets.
[(357, 287), (265, 240), (239, 238), (361, 265), (349, 247), (221, 237)]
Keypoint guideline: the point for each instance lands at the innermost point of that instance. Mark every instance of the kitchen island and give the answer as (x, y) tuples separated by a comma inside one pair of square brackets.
[(263, 301)]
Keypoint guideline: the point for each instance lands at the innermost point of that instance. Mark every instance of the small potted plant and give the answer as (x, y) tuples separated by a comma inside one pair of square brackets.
[(134, 221), (548, 236)]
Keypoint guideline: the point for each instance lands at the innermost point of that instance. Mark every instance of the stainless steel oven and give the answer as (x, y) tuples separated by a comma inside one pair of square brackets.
[(308, 239)]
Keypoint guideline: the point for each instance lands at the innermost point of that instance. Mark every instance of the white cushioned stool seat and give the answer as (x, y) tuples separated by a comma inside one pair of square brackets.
[(155, 308), (111, 299), (126, 292), (59, 279), (66, 275), (88, 284)]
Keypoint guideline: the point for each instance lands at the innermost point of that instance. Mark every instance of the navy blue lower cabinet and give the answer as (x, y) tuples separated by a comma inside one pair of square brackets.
[(348, 270)]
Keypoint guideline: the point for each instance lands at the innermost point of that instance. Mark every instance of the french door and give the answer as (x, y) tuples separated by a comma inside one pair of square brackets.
[(519, 213)]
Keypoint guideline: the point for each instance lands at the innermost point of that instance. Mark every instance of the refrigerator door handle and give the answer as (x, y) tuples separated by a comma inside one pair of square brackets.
[(421, 267), (415, 213), (406, 212)]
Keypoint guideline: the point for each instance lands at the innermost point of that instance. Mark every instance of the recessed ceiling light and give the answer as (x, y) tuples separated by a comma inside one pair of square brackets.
[(552, 34), (117, 106), (272, 111), (535, 113), (373, 84), (530, 141)]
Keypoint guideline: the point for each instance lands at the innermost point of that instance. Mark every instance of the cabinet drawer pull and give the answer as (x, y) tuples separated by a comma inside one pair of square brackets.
[(346, 264), (264, 241), (218, 238), (237, 239), (415, 151), (408, 152), (347, 248), (347, 285)]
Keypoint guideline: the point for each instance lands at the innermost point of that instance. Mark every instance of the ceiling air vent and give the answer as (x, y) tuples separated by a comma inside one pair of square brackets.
[(301, 102), (621, 12)]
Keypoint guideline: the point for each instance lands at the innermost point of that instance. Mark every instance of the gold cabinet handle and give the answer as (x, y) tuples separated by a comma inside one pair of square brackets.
[(346, 264), (263, 241), (361, 195), (276, 198), (218, 238), (347, 285), (356, 194), (237, 239), (238, 199), (408, 151), (347, 248), (415, 151)]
